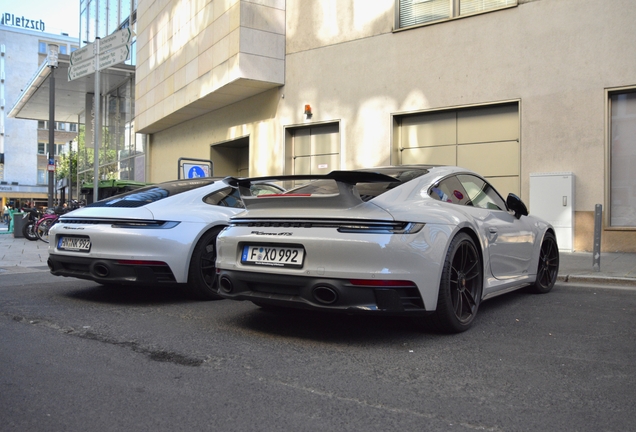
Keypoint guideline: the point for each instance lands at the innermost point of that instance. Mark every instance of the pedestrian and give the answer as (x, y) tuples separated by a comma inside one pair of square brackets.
[(5, 213)]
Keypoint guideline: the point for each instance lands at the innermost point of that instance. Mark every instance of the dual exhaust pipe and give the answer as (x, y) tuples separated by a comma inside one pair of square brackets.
[(322, 294), (99, 269)]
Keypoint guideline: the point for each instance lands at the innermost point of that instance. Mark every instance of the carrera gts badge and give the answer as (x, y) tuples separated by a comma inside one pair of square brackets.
[(271, 234)]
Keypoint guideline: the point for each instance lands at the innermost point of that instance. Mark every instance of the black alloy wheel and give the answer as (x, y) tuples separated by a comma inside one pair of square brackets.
[(460, 287), (202, 279), (548, 269)]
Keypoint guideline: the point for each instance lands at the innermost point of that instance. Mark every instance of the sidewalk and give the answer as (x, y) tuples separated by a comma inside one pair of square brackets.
[(19, 255)]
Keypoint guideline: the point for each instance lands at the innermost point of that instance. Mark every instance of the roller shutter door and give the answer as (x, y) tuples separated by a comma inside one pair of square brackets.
[(483, 139)]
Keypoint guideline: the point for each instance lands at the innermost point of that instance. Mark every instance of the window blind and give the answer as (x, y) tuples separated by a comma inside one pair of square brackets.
[(474, 6), (413, 12)]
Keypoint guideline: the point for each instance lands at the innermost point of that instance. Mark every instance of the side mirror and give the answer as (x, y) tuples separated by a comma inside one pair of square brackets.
[(515, 204)]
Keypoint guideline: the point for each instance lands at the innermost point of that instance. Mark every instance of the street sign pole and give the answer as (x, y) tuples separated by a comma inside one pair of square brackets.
[(97, 132), (51, 174), (111, 50)]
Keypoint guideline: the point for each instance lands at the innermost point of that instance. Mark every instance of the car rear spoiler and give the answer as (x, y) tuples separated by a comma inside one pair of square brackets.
[(346, 197)]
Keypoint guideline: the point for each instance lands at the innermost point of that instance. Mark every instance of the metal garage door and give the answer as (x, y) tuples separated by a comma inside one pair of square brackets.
[(484, 139), (316, 149)]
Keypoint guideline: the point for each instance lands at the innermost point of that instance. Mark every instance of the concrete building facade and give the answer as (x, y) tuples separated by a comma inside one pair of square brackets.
[(120, 151), (24, 142), (512, 89)]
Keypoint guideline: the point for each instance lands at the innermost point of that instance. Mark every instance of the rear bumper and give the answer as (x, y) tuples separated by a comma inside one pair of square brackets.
[(109, 271), (303, 292)]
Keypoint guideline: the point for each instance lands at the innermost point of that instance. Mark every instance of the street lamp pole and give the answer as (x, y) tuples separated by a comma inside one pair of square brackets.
[(52, 60)]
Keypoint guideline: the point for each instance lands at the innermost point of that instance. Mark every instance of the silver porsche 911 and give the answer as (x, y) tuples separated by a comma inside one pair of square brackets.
[(160, 234), (433, 241)]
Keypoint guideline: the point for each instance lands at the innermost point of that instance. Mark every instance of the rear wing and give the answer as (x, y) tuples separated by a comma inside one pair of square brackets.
[(346, 197)]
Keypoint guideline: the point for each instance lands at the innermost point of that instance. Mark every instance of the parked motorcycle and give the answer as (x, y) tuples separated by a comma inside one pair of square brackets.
[(50, 218), (28, 226)]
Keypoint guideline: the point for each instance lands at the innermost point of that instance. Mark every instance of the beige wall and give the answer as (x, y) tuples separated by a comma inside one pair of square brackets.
[(316, 24), (253, 118), (556, 57), (193, 56)]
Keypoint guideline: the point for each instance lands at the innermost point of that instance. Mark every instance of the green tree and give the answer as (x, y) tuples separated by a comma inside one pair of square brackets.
[(67, 166), (108, 169)]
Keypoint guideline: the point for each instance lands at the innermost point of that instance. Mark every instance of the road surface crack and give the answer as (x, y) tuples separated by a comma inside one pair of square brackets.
[(153, 353)]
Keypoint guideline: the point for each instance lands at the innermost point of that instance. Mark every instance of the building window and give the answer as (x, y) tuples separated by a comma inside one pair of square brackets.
[(63, 49), (72, 127), (42, 124), (43, 48), (622, 143), (43, 148), (418, 12), (43, 178)]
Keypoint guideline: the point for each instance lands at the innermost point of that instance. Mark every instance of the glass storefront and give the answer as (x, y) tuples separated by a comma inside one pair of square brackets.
[(121, 150)]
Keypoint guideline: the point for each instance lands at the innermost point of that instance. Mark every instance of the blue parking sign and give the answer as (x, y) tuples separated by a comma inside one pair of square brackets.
[(196, 171)]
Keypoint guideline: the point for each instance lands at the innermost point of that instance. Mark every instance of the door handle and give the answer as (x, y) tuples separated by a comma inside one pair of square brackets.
[(492, 230)]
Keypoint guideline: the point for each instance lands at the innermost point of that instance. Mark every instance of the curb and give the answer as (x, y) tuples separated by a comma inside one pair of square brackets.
[(597, 280)]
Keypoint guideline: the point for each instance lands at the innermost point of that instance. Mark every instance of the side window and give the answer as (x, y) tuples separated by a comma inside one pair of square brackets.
[(228, 197), (450, 190), (481, 193)]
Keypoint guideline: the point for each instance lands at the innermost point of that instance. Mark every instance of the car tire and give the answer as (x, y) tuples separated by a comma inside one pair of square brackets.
[(460, 287), (548, 268), (202, 279)]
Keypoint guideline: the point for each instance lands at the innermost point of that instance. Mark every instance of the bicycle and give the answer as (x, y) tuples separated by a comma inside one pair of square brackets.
[(43, 225), (50, 218)]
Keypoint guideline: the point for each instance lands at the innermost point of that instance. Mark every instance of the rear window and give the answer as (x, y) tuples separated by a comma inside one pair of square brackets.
[(367, 191), (151, 194)]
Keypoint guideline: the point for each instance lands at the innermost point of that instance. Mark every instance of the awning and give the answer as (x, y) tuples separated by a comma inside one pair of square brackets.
[(70, 96), (21, 191)]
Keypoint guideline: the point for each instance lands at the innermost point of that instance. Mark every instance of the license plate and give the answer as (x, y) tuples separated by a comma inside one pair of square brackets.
[(275, 256), (81, 244)]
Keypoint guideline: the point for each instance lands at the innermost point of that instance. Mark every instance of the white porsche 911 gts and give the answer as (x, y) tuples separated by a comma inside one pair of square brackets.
[(159, 234), (433, 241)]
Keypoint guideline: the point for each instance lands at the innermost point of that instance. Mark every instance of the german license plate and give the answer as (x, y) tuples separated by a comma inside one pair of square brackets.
[(276, 256), (80, 244)]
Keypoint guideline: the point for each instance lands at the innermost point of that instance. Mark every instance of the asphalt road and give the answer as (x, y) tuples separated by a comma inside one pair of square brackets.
[(76, 356)]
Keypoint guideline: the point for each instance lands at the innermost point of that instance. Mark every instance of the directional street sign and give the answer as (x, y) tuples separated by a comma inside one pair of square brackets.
[(116, 56), (113, 49), (82, 54), (81, 69), (122, 37)]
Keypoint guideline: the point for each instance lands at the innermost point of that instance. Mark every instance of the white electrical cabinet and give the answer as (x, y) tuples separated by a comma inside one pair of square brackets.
[(552, 199)]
